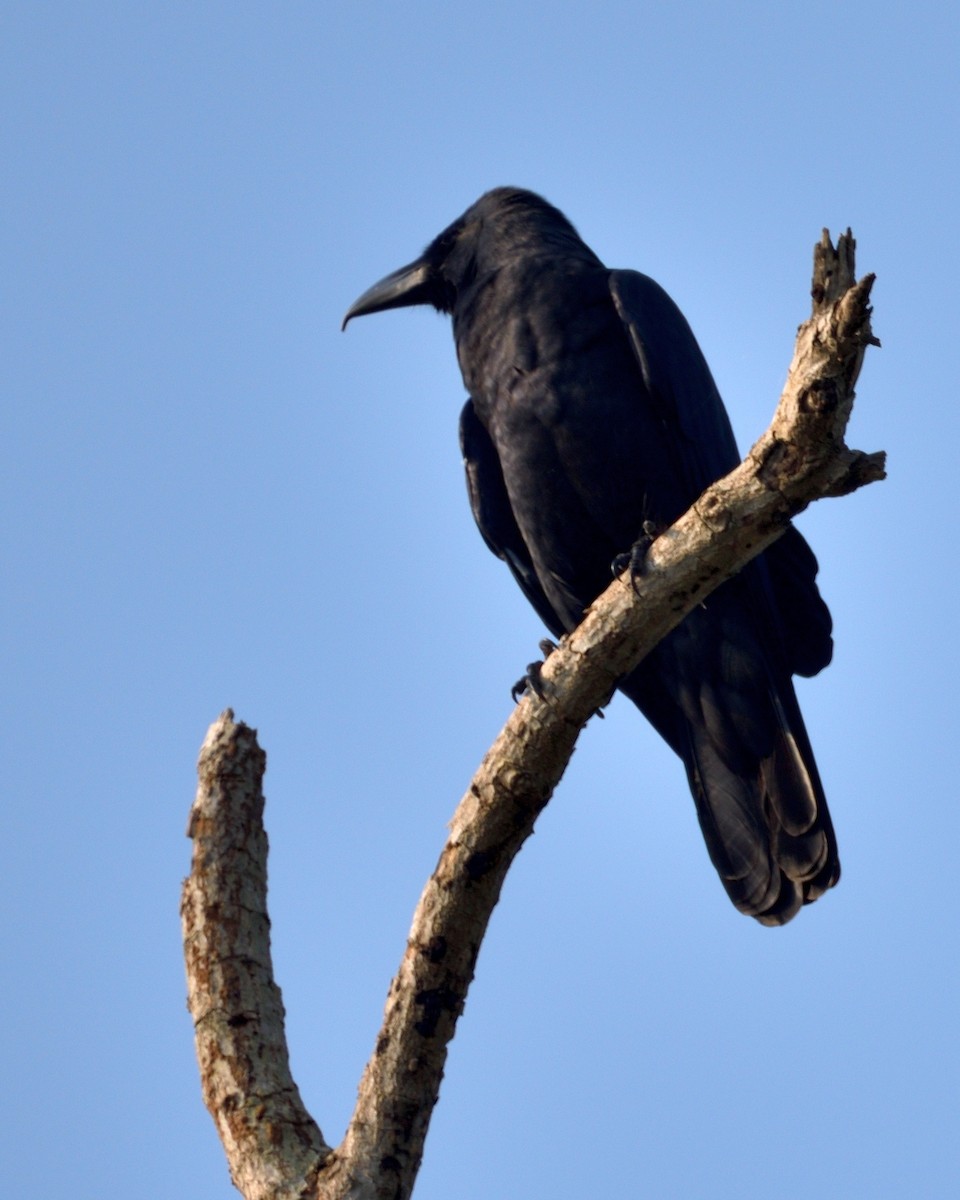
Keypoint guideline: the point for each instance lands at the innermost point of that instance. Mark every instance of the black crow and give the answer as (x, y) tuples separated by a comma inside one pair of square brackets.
[(592, 415)]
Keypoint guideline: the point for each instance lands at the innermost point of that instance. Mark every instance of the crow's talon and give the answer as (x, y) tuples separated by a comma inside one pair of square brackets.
[(530, 682), (619, 564), (635, 559), (598, 712)]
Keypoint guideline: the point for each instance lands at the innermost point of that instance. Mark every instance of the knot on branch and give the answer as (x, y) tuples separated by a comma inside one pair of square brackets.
[(821, 399), (713, 511)]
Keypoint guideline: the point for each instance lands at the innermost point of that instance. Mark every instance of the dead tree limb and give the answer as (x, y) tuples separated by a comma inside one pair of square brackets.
[(273, 1145), (274, 1148)]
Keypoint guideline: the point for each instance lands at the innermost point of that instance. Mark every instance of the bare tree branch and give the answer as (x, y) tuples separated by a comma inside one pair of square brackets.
[(235, 1004), (272, 1143)]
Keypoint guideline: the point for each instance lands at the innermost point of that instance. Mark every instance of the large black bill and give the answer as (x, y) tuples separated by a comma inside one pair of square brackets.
[(409, 285)]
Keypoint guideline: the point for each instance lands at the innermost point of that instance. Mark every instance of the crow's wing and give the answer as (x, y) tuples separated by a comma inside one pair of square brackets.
[(727, 667), (491, 509), (677, 379), (679, 384)]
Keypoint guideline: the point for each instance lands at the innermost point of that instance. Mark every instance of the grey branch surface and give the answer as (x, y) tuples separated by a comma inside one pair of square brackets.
[(274, 1148)]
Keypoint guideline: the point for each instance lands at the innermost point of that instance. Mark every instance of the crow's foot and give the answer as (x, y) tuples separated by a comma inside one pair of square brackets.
[(532, 680), (635, 559)]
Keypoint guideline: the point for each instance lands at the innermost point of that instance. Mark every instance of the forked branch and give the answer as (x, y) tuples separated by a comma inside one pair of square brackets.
[(274, 1148)]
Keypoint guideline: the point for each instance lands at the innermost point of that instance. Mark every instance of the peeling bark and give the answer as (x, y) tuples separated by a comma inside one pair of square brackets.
[(274, 1147)]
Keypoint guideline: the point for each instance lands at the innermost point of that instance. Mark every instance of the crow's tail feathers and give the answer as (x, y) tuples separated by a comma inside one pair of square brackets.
[(719, 691), (766, 823)]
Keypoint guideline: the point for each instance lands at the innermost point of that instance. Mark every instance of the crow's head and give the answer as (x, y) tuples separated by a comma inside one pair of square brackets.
[(504, 223)]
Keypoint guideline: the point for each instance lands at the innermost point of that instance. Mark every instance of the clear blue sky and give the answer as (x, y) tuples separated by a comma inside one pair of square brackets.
[(212, 497)]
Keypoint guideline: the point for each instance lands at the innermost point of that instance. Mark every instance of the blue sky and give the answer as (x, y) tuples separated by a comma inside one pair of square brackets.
[(212, 497)]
